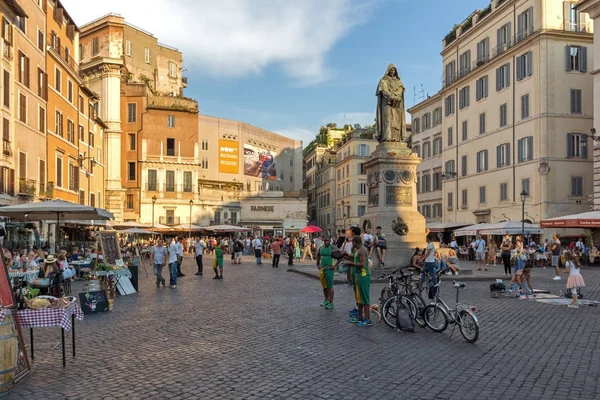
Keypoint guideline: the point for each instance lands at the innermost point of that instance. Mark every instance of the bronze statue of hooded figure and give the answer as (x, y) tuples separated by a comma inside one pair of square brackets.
[(391, 118)]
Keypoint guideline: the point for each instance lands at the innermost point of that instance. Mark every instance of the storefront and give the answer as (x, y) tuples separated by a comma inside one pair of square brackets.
[(274, 213)]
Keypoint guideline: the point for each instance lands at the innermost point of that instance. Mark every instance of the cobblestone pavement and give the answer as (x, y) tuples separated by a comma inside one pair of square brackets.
[(260, 333)]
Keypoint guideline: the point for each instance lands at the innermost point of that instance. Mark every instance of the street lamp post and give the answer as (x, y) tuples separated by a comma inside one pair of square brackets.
[(524, 195), (191, 204), (153, 202)]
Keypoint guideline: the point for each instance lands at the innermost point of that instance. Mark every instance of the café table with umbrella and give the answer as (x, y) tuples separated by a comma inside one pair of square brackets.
[(54, 210)]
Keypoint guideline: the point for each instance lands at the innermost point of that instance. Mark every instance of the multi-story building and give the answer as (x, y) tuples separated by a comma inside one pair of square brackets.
[(591, 8), (118, 57), (517, 102), (350, 177), (166, 163), (74, 133), (24, 105), (325, 192), (311, 157), (426, 140)]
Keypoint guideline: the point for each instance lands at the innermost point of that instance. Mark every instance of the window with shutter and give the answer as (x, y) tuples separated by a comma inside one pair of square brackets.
[(450, 137), (22, 165), (465, 130), (22, 108), (576, 107), (481, 123), (577, 186), (6, 83), (465, 198), (464, 166), (59, 172), (503, 191), (525, 106), (481, 194), (503, 115)]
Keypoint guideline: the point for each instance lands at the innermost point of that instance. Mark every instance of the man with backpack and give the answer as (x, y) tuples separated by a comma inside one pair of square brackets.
[(238, 247)]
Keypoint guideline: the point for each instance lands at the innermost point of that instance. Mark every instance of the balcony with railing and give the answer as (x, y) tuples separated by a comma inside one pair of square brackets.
[(27, 187), (46, 190), (184, 81), (6, 148), (62, 54), (169, 220)]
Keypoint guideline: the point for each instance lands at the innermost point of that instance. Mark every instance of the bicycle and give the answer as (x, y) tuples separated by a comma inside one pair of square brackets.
[(401, 292), (461, 315)]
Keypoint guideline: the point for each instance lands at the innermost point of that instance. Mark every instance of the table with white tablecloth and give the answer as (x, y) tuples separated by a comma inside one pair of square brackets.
[(27, 276)]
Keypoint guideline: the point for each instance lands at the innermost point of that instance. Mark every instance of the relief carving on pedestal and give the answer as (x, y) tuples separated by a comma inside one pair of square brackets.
[(374, 196), (399, 227)]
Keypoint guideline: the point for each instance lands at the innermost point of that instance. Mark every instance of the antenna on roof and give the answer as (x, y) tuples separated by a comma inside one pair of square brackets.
[(418, 95)]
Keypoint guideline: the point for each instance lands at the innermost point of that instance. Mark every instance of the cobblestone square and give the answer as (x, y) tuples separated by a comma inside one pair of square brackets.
[(260, 333)]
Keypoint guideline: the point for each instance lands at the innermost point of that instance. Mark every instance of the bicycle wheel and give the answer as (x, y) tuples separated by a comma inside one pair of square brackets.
[(385, 294), (420, 304), (435, 317), (469, 327), (388, 312)]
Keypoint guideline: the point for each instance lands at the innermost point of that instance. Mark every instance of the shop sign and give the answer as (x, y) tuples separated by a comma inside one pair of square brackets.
[(262, 208)]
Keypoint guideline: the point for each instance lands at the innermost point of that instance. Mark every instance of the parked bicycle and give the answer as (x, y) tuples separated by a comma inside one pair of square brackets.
[(438, 315), (401, 292)]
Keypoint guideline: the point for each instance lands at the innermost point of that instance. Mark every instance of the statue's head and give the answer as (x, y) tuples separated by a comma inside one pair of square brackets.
[(392, 72)]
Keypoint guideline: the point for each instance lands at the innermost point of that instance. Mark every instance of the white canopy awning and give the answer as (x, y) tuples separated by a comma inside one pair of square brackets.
[(442, 226), (511, 228), (470, 230), (590, 219)]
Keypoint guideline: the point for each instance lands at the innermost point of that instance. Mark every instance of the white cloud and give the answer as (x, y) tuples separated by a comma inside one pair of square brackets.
[(235, 38), (306, 135)]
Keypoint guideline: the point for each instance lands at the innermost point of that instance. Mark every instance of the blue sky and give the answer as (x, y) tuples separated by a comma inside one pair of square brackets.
[(292, 66)]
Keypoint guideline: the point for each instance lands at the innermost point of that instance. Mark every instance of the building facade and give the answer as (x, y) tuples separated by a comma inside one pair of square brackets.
[(591, 8), (351, 179), (426, 141), (325, 192), (20, 104), (516, 104)]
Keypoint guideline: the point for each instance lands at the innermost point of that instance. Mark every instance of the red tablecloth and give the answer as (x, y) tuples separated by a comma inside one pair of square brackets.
[(46, 317)]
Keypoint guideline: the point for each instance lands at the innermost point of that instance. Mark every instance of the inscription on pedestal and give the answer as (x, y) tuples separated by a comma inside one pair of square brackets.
[(398, 196)]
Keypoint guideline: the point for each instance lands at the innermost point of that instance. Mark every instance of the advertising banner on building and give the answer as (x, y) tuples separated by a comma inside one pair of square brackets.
[(229, 156), (259, 163)]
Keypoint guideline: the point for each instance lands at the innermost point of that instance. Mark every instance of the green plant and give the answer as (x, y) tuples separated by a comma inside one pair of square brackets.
[(147, 81), (451, 35)]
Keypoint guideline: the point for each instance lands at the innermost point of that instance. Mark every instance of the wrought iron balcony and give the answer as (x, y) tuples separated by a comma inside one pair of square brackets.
[(27, 187), (6, 149)]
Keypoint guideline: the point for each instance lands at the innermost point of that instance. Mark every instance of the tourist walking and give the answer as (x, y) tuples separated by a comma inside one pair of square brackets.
[(505, 248), (218, 262), (257, 245), (159, 257), (173, 263), (179, 256), (575, 280), (307, 251), (199, 250), (491, 255), (555, 247), (238, 247), (520, 256), (276, 247), (430, 265), (479, 247)]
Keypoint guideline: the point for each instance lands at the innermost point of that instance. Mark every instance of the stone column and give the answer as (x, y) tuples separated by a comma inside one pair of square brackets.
[(391, 180)]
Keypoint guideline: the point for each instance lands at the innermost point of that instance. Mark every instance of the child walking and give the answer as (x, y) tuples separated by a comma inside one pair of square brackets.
[(575, 280)]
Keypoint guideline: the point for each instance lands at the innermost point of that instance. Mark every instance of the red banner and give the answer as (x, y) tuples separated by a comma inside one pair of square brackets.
[(571, 223)]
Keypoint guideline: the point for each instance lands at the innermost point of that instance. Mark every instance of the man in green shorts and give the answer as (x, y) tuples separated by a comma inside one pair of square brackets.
[(363, 282), (326, 272)]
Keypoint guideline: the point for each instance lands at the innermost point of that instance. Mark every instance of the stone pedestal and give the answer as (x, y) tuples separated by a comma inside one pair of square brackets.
[(392, 193)]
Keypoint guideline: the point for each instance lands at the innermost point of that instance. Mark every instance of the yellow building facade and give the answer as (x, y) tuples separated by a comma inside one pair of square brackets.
[(516, 107)]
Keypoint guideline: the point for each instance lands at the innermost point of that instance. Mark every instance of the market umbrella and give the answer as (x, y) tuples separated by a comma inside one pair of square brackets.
[(226, 228), (311, 229), (129, 224), (54, 210), (161, 227), (188, 227), (138, 231), (511, 228)]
